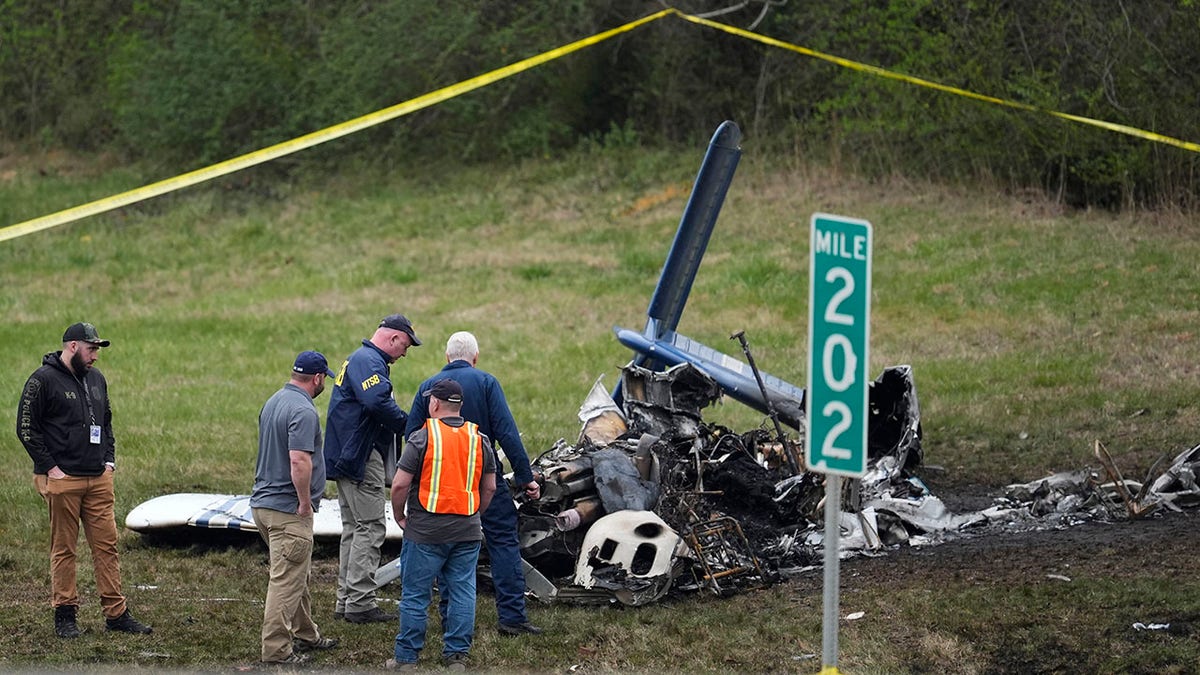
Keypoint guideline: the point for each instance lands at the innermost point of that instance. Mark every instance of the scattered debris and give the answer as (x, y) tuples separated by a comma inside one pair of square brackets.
[(1176, 488), (651, 497), (1136, 506)]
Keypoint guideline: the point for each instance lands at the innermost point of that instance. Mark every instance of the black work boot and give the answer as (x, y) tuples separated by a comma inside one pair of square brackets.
[(127, 624), (64, 622)]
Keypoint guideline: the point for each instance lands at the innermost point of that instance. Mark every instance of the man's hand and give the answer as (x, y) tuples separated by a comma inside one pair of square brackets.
[(533, 490), (304, 510), (55, 473)]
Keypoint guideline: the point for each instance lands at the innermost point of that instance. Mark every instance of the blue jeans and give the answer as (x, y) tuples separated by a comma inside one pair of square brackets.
[(420, 564), (504, 549)]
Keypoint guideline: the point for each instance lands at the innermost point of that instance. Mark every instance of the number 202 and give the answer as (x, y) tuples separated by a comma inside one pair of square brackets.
[(849, 366)]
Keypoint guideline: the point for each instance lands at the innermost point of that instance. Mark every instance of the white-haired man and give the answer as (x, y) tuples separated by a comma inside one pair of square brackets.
[(485, 405)]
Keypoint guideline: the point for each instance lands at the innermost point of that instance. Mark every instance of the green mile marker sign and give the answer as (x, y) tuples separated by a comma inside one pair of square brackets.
[(839, 332)]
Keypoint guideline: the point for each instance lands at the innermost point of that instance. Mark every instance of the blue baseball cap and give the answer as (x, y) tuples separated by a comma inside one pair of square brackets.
[(312, 363)]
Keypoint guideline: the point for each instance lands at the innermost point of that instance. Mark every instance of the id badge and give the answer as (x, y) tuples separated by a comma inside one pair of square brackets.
[(95, 434)]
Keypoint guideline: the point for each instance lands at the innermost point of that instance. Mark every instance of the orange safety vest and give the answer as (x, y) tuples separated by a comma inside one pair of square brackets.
[(452, 468)]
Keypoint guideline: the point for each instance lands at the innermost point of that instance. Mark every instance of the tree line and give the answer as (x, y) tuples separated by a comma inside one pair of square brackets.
[(195, 81)]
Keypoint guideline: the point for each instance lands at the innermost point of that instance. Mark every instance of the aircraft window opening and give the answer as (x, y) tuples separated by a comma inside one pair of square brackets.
[(643, 559), (607, 550), (648, 530)]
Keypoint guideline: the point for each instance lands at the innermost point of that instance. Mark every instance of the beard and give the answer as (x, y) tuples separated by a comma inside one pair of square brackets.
[(78, 365)]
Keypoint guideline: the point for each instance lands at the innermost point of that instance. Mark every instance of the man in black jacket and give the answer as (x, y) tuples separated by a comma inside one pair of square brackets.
[(65, 423)]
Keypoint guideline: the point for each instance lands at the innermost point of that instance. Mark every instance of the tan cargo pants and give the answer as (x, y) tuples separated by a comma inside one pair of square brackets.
[(288, 610)]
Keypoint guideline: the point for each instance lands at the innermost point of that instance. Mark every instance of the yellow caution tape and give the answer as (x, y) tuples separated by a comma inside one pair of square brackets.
[(307, 141), (828, 670), (359, 123), (874, 70)]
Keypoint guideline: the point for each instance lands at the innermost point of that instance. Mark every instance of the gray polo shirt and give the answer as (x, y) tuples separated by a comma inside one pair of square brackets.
[(288, 421)]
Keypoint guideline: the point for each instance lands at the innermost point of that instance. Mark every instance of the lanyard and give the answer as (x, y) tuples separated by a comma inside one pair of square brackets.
[(87, 397)]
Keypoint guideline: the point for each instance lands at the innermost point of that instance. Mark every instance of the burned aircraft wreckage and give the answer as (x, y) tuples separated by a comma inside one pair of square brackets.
[(651, 499)]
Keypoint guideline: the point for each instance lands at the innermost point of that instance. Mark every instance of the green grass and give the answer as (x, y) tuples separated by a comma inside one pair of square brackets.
[(1032, 332)]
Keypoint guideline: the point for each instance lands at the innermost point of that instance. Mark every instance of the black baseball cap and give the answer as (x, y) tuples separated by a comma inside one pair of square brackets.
[(83, 332), (446, 390), (401, 323)]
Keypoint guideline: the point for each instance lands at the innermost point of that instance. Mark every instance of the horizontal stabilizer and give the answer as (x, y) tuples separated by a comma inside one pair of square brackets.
[(735, 377)]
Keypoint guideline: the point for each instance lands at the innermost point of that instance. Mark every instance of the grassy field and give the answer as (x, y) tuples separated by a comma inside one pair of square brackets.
[(1032, 332)]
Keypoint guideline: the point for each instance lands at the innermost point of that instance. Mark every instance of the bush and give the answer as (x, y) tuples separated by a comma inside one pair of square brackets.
[(198, 81)]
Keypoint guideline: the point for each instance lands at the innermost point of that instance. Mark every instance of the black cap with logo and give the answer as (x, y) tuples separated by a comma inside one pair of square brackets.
[(84, 332)]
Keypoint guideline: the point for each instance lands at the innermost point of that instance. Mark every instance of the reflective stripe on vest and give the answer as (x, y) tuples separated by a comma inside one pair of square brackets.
[(452, 468)]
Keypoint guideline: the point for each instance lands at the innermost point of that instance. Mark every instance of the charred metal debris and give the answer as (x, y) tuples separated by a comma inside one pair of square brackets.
[(652, 499)]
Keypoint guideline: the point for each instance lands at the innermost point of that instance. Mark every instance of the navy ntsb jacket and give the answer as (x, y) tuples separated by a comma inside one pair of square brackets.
[(361, 414)]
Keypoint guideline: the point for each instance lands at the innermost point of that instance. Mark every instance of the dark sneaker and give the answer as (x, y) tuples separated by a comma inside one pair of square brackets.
[(319, 645), (64, 622), (373, 615), (456, 661), (339, 615), (514, 629), (293, 659), (127, 624)]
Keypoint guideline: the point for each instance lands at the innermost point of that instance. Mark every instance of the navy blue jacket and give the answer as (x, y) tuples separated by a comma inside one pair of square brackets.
[(362, 413), (485, 405)]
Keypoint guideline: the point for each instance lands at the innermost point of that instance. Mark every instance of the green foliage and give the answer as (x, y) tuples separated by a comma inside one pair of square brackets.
[(1089, 60), (194, 81), (217, 81), (53, 57)]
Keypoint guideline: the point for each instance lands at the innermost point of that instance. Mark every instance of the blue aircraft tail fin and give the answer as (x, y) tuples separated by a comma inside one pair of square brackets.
[(695, 228)]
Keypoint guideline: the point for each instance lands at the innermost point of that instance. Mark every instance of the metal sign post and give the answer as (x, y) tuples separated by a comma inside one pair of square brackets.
[(839, 320)]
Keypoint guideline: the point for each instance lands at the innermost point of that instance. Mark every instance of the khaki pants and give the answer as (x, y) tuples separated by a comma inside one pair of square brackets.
[(86, 499), (288, 611), (363, 531)]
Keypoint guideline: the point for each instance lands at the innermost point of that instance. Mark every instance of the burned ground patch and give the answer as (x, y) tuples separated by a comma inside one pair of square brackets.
[(1038, 601)]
